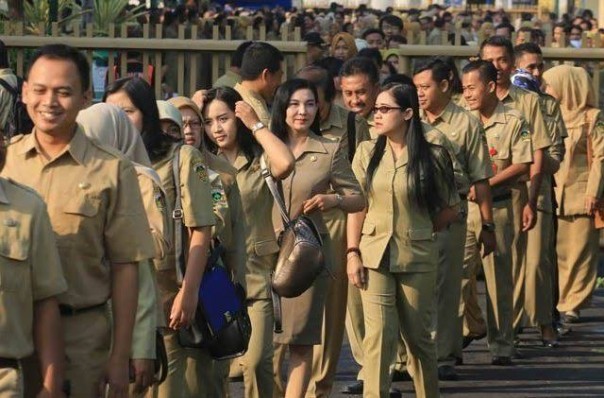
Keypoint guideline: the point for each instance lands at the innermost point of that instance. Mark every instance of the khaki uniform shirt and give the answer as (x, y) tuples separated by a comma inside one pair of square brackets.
[(230, 221), (509, 141), (557, 132), (527, 103), (336, 127), (196, 199), (95, 208), (467, 139), (229, 79), (256, 101), (30, 269), (392, 220), (580, 176), (321, 166), (261, 243)]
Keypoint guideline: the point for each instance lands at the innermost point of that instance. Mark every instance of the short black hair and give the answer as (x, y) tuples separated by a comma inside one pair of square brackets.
[(499, 41), (258, 57), (65, 53), (361, 66), (440, 70), (563, 25), (527, 48), (399, 78), (3, 55), (373, 54), (507, 25), (237, 57), (391, 20), (372, 31), (332, 64), (321, 78), (486, 70), (398, 38)]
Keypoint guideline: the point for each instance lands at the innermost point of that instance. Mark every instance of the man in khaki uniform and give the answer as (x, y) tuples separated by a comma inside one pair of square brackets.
[(500, 53), (466, 135), (509, 142), (232, 76), (94, 205), (360, 86), (531, 299), (335, 122), (31, 278)]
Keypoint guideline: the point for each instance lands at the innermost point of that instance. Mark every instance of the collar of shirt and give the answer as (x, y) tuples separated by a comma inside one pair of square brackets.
[(335, 118), (240, 161), (445, 116), (497, 117), (512, 94), (76, 147), (313, 144), (252, 94), (389, 158), (3, 198)]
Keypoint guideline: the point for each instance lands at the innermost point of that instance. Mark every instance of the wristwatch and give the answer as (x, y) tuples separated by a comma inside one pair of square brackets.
[(257, 126), (339, 200), (488, 226)]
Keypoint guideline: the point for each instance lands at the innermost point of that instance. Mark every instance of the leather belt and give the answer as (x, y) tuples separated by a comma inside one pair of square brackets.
[(67, 310), (9, 363), (502, 197)]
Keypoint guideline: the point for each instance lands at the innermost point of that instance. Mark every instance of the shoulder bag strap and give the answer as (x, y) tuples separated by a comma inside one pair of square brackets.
[(177, 215), (272, 186), (352, 135), (9, 88)]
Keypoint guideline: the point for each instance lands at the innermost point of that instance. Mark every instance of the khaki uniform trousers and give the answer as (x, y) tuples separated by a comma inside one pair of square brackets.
[(192, 373), (446, 322), (498, 277), (519, 248), (355, 326), (326, 355), (258, 360), (470, 313), (11, 383), (399, 303), (532, 303), (577, 248), (87, 338)]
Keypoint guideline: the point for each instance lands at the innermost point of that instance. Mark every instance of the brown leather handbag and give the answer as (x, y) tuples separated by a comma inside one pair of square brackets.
[(300, 258)]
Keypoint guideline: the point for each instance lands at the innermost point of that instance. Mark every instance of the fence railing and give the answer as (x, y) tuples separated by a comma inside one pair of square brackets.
[(196, 62)]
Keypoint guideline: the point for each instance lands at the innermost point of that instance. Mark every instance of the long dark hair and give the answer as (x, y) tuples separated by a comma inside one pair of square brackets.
[(425, 161), (245, 139), (281, 102), (142, 96)]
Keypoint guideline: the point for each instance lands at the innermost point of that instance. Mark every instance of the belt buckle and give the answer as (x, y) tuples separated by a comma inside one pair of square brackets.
[(177, 214)]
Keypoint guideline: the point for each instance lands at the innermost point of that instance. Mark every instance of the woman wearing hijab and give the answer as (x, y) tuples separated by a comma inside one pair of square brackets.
[(110, 126), (343, 46), (579, 186)]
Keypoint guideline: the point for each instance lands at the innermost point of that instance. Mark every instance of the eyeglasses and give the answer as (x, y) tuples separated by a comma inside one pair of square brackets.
[(384, 109), (194, 124)]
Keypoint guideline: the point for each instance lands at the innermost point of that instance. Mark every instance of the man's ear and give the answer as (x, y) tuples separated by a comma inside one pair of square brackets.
[(265, 74), (87, 98), (492, 86), (444, 85), (24, 91)]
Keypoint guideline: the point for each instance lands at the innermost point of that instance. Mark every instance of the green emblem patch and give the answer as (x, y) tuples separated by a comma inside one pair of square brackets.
[(160, 201), (200, 170), (525, 135)]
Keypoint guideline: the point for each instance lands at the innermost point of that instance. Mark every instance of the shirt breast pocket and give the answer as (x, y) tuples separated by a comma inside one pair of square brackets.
[(77, 213), (14, 267)]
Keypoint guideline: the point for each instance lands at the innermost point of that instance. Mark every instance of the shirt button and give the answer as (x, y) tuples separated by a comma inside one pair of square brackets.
[(313, 158), (83, 185)]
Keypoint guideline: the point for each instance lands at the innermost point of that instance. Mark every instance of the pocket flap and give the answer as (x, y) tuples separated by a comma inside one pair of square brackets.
[(15, 250), (82, 205), (421, 234), (368, 228), (266, 247)]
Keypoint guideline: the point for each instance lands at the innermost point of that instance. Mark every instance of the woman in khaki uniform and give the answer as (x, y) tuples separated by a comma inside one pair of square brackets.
[(185, 379), (321, 167), (236, 134), (392, 252), (109, 125), (579, 186)]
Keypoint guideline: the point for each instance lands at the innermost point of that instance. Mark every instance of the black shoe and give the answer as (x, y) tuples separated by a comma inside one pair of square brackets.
[(562, 329), (458, 361), (401, 376), (355, 388), (550, 343), (571, 317), (395, 393), (467, 340), (501, 361), (518, 354), (447, 373)]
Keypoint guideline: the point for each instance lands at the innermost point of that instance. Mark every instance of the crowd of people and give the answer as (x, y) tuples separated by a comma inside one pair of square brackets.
[(416, 184)]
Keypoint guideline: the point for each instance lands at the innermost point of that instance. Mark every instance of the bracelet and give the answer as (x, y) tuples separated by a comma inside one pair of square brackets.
[(353, 250)]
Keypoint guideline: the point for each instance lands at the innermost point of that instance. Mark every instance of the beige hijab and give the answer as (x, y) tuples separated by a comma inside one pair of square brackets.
[(574, 89), (110, 126)]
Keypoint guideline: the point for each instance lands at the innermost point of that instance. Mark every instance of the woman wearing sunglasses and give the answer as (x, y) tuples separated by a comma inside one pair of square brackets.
[(392, 253)]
